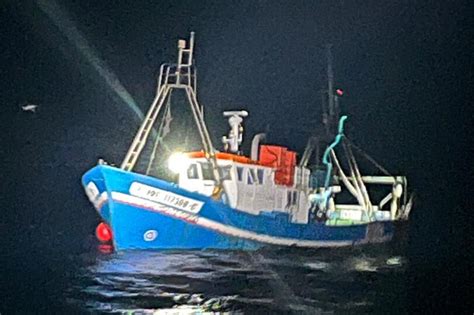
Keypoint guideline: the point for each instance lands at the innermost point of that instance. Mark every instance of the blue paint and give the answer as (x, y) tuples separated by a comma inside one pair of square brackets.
[(129, 223), (105, 212)]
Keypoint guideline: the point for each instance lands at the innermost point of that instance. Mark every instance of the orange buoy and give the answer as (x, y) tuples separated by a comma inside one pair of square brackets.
[(103, 232)]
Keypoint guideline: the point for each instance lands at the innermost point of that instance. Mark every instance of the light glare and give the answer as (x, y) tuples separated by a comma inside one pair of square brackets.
[(176, 162)]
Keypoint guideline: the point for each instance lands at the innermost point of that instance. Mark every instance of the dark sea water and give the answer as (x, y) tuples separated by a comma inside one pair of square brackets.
[(44, 277), (271, 281), (360, 280)]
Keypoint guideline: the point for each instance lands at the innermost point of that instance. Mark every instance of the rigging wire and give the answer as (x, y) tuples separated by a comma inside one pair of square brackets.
[(368, 157), (358, 177), (160, 135)]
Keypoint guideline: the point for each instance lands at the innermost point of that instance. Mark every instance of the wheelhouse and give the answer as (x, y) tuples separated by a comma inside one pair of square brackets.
[(249, 186)]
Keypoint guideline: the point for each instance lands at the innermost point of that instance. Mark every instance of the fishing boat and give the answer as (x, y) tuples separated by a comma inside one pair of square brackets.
[(223, 199)]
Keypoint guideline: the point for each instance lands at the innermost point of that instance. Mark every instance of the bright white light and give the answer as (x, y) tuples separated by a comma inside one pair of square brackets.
[(177, 161)]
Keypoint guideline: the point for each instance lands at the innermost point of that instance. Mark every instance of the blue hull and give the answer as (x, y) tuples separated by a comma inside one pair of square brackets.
[(192, 221)]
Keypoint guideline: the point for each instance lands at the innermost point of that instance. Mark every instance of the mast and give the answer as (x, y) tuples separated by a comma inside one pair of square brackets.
[(181, 75), (332, 115), (329, 117), (330, 81)]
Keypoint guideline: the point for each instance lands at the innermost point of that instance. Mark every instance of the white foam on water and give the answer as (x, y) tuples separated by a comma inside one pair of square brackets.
[(363, 264), (317, 265), (394, 261)]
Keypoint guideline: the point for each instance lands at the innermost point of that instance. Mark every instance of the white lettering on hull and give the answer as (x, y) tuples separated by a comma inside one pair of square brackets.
[(165, 197)]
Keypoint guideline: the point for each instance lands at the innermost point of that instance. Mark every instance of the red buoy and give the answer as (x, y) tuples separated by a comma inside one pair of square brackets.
[(103, 232)]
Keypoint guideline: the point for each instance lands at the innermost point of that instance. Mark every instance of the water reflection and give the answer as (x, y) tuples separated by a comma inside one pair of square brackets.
[(200, 282)]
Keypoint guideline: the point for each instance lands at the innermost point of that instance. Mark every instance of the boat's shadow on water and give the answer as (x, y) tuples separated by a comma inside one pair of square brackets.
[(353, 280)]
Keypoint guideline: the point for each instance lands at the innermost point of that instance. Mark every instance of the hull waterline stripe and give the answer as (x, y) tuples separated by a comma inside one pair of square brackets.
[(226, 229)]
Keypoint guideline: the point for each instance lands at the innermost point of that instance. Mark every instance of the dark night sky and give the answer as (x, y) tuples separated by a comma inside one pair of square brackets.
[(406, 68)]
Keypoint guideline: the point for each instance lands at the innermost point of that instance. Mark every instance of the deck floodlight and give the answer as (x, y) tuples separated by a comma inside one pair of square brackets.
[(177, 161)]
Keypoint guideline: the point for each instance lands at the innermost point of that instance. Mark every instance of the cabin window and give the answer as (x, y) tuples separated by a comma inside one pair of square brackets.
[(255, 177), (208, 174), (224, 172), (207, 171), (291, 198), (193, 172), (240, 173), (288, 199), (250, 177), (260, 176)]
